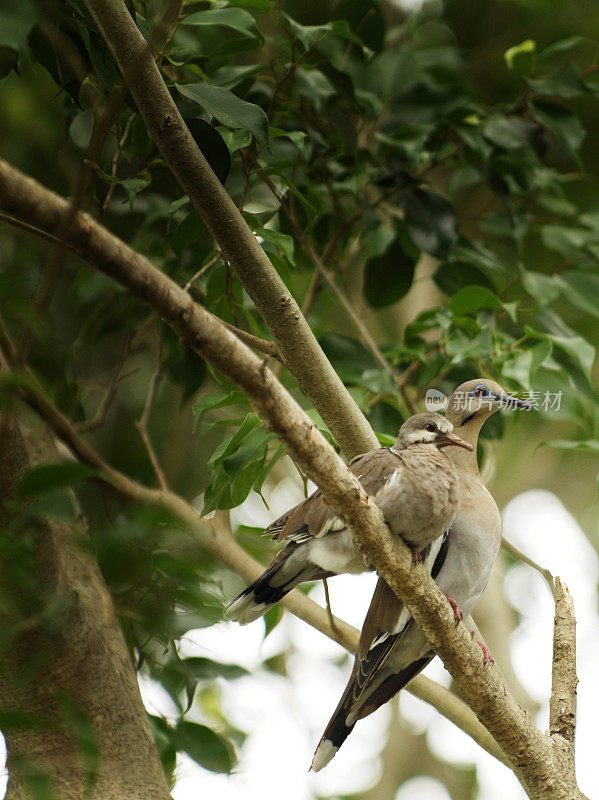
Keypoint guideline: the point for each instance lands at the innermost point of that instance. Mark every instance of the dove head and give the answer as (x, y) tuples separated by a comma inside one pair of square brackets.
[(470, 405), (478, 399), (428, 428)]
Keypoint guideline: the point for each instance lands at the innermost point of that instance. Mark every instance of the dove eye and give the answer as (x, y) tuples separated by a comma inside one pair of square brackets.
[(480, 391), (430, 426)]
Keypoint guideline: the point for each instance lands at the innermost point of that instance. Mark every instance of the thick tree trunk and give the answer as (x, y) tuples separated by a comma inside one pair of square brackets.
[(70, 666)]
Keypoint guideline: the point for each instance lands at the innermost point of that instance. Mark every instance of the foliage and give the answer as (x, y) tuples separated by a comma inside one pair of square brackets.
[(365, 133)]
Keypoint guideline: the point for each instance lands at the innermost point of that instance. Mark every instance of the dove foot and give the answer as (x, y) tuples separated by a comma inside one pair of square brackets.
[(457, 611), (416, 554), (487, 657)]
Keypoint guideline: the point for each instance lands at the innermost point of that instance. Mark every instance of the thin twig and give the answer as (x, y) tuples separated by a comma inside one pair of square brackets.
[(142, 423), (255, 342), (115, 159), (311, 293), (202, 270), (358, 31), (49, 237), (329, 609), (513, 551), (108, 396), (110, 391)]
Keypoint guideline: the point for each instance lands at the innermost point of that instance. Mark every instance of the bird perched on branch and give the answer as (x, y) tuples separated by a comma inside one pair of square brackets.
[(392, 649), (414, 484)]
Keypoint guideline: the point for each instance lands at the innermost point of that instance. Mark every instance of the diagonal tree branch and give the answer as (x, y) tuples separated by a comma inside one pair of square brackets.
[(296, 344), (531, 753)]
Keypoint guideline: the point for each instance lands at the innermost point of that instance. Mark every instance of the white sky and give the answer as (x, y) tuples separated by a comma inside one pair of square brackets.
[(284, 717)]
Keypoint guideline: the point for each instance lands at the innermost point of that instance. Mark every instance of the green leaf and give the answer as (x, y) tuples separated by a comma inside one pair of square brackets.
[(299, 138), (162, 733), (47, 477), (231, 75), (235, 140), (521, 57), (235, 18), (133, 186), (566, 126), (561, 46), (544, 288), (451, 276), (205, 669), (388, 277), (229, 109), (213, 400), (237, 465), (565, 240), (508, 132), (309, 35), (281, 241), (565, 82), (180, 675), (430, 221), (473, 298), (581, 289), (207, 748), (578, 349)]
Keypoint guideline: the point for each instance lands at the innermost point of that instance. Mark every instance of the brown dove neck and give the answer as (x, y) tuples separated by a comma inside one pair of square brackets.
[(464, 459)]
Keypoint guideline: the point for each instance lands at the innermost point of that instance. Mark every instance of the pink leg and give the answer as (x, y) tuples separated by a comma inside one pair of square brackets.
[(416, 557), (457, 611), (487, 657)]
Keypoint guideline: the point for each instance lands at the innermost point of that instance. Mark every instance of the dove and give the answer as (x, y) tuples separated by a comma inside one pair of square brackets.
[(392, 649), (414, 484)]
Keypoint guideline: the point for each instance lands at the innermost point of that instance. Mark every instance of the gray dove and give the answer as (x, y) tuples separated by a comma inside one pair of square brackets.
[(392, 649), (414, 484)]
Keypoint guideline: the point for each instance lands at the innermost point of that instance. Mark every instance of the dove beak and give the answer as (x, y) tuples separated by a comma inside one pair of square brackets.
[(453, 440)]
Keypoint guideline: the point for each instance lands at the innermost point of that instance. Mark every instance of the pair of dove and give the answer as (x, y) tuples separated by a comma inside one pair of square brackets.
[(441, 509)]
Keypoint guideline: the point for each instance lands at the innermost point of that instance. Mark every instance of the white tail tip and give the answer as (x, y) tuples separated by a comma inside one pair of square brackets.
[(324, 753), (244, 610)]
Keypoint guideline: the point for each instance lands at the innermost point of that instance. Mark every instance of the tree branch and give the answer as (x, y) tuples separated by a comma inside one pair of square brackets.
[(562, 706), (530, 752), (513, 551), (295, 342)]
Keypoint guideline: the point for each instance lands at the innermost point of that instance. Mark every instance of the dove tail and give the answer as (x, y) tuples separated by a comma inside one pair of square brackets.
[(290, 568), (259, 596), (335, 734)]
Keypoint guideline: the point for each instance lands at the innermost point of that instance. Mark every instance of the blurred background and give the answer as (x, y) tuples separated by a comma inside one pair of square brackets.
[(440, 159)]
